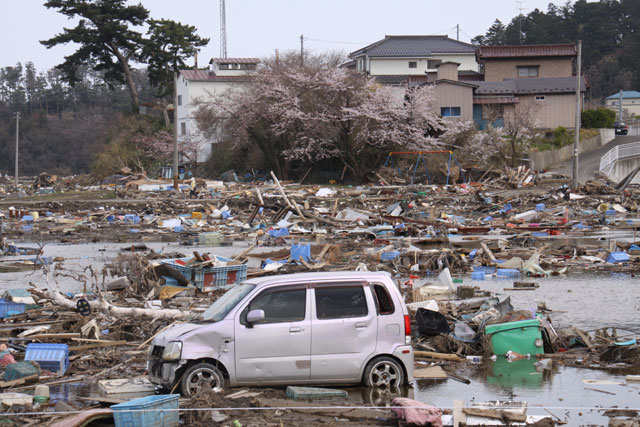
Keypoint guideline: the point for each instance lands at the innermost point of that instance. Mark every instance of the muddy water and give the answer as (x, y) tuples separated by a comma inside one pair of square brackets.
[(586, 301), (77, 257)]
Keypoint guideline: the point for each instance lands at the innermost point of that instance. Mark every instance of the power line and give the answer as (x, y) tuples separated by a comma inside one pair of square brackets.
[(333, 41)]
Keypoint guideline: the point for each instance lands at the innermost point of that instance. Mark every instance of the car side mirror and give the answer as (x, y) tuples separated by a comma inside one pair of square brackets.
[(254, 316)]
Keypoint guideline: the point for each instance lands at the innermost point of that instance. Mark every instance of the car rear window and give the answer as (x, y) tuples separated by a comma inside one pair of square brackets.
[(384, 302), (338, 302)]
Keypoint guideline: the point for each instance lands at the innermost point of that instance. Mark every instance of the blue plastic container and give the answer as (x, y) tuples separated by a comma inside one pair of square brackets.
[(540, 207), (151, 411), (610, 212), (131, 219), (508, 272), (477, 275), (209, 278), (484, 269), (9, 308), (50, 357)]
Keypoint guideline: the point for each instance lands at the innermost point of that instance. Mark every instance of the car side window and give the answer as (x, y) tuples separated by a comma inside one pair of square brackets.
[(339, 302), (279, 306), (384, 303)]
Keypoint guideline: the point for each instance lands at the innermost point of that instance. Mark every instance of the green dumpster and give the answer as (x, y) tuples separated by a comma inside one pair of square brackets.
[(524, 337)]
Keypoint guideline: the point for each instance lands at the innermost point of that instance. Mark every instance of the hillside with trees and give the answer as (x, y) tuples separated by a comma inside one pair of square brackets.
[(609, 30), (73, 112)]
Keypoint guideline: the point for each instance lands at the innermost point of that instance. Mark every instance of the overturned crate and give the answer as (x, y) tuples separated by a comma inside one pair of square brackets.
[(209, 278)]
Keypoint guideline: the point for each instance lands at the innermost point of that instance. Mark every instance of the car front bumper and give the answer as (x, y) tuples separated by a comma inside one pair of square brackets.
[(163, 373)]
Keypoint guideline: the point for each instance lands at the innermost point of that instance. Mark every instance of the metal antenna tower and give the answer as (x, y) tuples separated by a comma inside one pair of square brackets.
[(223, 30)]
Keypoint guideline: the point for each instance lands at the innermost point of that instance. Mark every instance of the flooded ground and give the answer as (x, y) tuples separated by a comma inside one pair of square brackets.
[(588, 301)]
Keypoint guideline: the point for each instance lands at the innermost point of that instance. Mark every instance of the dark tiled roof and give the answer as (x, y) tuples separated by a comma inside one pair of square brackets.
[(392, 79), (210, 76), (470, 76), (234, 60), (413, 46), (526, 51), (530, 86)]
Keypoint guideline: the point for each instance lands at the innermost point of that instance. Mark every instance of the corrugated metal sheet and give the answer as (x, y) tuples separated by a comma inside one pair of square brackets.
[(205, 75)]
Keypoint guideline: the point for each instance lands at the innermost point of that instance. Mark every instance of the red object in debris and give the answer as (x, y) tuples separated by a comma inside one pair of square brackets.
[(554, 232), (7, 360)]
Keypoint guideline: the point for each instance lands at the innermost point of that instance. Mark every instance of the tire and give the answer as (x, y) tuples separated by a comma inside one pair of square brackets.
[(383, 372), (199, 375)]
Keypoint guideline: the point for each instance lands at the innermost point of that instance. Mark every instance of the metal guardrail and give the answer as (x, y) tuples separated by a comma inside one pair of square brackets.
[(623, 151)]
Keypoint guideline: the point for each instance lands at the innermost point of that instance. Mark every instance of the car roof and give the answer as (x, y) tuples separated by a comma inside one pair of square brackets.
[(319, 277)]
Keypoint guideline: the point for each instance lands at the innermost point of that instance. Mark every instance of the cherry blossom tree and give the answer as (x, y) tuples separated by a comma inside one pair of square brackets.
[(307, 114)]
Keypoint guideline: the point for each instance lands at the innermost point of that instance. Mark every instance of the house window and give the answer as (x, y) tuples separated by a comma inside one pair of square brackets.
[(450, 111), (433, 63), (183, 128), (224, 66), (413, 64), (541, 98), (528, 71), (179, 99)]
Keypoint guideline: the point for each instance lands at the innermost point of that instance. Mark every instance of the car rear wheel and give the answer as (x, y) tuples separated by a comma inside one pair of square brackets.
[(383, 372), (201, 375)]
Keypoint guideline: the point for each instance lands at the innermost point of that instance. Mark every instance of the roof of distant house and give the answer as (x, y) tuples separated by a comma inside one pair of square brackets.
[(625, 94), (234, 60), (413, 46), (530, 86), (526, 51), (210, 76), (394, 79)]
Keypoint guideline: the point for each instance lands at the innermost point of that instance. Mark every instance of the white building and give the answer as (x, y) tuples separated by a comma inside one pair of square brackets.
[(224, 74), (393, 59)]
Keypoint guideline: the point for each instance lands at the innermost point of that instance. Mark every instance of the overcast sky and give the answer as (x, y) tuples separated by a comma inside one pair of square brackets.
[(255, 28)]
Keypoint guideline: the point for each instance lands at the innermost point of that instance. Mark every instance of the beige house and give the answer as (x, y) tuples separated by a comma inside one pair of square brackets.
[(454, 99), (630, 103), (527, 61)]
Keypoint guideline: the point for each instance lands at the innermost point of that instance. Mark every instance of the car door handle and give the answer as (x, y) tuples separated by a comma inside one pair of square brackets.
[(295, 329), (361, 325)]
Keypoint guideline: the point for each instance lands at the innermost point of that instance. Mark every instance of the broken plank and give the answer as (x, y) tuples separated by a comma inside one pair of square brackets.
[(495, 414), (19, 381), (440, 356), (584, 339), (97, 345)]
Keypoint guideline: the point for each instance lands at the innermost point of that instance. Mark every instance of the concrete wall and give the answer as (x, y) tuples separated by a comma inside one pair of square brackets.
[(400, 66), (623, 168), (547, 159), (498, 70)]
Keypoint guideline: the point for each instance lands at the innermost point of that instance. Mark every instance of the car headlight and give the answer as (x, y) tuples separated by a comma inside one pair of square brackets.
[(172, 351)]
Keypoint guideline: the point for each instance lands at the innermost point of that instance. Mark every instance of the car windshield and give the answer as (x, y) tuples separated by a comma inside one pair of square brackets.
[(219, 309)]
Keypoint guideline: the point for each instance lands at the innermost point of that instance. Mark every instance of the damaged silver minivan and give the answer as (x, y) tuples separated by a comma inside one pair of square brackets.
[(310, 328)]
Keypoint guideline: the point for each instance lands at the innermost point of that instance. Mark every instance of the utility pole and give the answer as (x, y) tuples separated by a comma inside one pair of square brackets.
[(458, 32), (175, 131), (576, 140), (301, 50), (620, 107), (17, 117)]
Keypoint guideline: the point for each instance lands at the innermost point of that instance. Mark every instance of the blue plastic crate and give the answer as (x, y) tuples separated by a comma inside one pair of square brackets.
[(477, 275), (8, 308), (508, 272), (388, 256), (484, 269), (150, 411), (209, 278), (50, 357)]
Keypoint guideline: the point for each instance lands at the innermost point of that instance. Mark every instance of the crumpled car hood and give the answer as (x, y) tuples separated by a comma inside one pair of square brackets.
[(175, 333)]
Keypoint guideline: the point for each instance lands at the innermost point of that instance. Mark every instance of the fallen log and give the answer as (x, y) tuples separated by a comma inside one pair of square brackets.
[(441, 356)]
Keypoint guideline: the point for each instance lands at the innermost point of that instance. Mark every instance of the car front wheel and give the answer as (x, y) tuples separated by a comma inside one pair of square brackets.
[(201, 375), (383, 372)]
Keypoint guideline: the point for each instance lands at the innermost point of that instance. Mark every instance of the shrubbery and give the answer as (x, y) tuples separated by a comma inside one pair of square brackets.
[(598, 118)]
